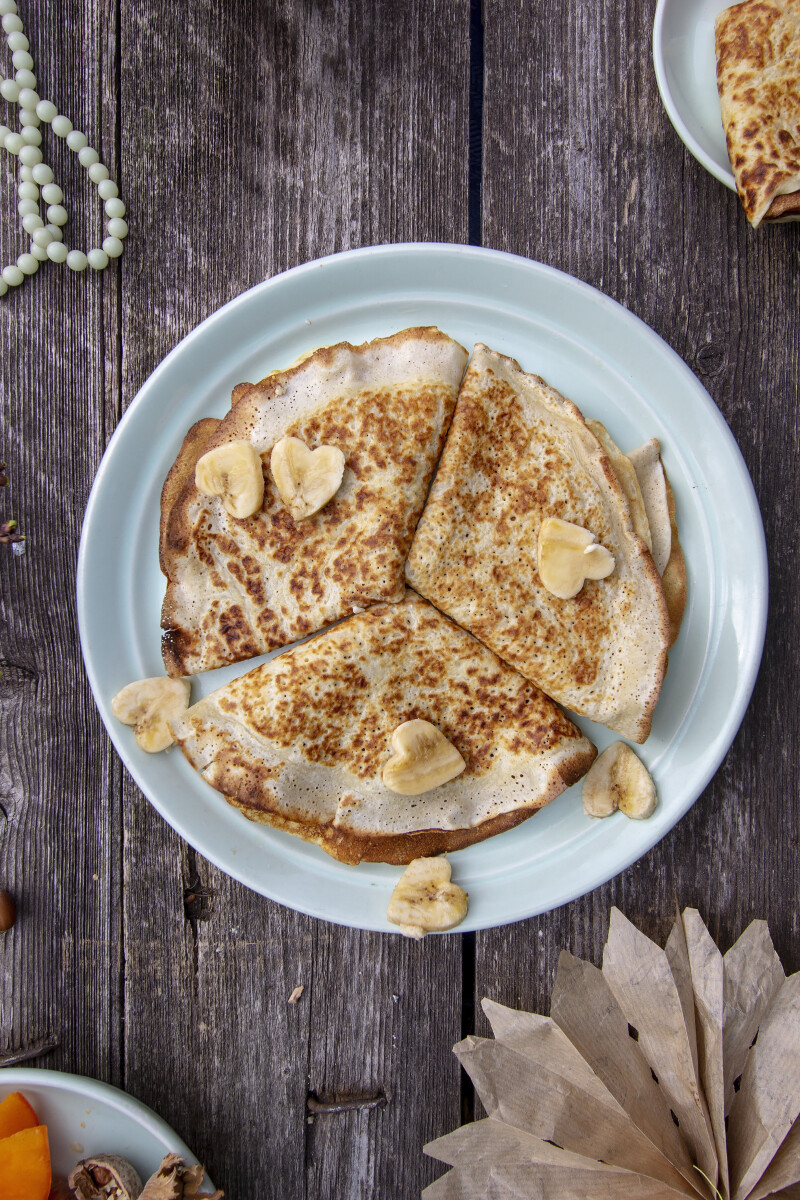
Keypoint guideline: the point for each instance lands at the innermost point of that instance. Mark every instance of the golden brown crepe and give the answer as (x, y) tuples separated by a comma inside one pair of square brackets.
[(299, 743), (758, 78), (517, 453), (238, 588)]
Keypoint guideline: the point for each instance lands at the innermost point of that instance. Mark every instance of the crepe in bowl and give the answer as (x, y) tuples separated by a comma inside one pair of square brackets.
[(758, 79), (237, 588), (518, 453), (300, 742)]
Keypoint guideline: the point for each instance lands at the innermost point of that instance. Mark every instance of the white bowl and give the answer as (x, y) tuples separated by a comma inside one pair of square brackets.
[(686, 72), (85, 1117)]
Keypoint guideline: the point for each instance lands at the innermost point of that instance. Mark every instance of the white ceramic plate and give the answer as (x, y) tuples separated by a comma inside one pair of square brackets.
[(84, 1117), (615, 369), (686, 71)]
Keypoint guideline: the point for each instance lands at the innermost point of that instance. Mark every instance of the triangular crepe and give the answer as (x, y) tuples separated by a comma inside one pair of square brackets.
[(238, 588), (519, 452), (758, 72), (299, 743)]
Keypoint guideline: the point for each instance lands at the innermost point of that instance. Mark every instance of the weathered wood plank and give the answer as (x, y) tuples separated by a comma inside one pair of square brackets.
[(582, 170), (274, 134), (61, 835)]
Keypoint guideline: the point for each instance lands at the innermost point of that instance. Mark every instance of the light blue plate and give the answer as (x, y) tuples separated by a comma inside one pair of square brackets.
[(685, 61), (85, 1117), (615, 369)]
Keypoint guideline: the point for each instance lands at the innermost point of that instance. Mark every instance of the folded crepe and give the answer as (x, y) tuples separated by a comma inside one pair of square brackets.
[(239, 587), (758, 78), (299, 743), (517, 453)]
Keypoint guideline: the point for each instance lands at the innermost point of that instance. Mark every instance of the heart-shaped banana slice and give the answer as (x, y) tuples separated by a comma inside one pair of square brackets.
[(425, 900), (150, 704), (618, 779), (568, 555), (306, 479), (423, 759), (232, 472)]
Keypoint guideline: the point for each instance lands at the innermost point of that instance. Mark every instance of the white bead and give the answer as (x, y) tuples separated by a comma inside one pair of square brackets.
[(7, 6), (42, 173), (21, 58), (28, 191), (57, 214), (77, 140), (27, 116), (52, 193), (113, 247), (107, 190), (13, 276), (28, 264), (114, 208), (26, 174), (32, 221), (42, 237), (25, 78), (27, 205), (61, 124), (12, 23), (57, 252), (98, 172), (57, 234), (117, 227), (98, 260), (39, 252), (77, 260), (3, 286), (87, 156), (9, 90), (31, 136), (28, 98), (14, 143), (31, 156), (46, 110), (17, 41)]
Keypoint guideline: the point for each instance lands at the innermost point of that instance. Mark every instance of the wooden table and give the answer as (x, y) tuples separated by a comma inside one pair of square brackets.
[(248, 138)]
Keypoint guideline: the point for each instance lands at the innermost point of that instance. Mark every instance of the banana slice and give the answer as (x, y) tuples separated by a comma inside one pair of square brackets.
[(425, 900), (568, 555), (306, 479), (150, 704), (423, 759), (617, 779), (232, 472)]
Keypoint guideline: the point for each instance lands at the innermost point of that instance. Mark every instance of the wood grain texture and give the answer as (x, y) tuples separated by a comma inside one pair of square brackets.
[(582, 170), (281, 133), (60, 836)]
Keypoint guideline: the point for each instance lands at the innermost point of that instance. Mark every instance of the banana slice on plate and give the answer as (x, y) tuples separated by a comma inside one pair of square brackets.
[(618, 779), (425, 900), (150, 704)]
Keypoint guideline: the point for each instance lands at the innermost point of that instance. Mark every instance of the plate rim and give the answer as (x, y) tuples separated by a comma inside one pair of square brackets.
[(95, 1089), (758, 614), (673, 112)]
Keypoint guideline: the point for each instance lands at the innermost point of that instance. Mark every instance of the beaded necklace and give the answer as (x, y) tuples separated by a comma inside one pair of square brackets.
[(36, 177)]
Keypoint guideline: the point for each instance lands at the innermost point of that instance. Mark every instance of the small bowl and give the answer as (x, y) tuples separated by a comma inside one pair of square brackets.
[(685, 62)]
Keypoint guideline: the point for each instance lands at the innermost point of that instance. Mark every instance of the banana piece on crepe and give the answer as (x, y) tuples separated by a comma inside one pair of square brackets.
[(238, 586), (519, 454), (309, 742)]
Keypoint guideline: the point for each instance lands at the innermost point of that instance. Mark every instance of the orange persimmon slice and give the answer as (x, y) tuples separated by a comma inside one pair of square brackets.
[(16, 1114), (25, 1165)]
